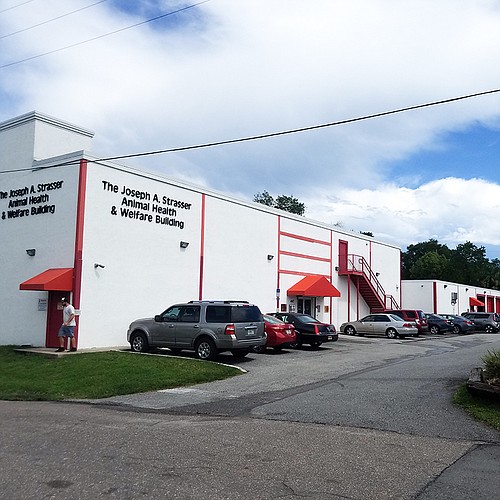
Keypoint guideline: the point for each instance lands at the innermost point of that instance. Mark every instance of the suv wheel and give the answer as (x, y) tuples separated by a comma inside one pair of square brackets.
[(489, 329), (456, 329), (434, 329), (139, 342), (205, 349)]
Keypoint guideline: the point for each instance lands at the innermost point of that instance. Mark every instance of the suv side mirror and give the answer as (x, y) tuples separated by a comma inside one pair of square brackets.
[(158, 318)]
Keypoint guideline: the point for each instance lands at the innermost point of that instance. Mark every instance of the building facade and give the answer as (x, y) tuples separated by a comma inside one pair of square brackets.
[(444, 297), (124, 244)]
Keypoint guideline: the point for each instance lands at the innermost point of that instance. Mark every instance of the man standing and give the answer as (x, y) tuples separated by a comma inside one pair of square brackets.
[(68, 327)]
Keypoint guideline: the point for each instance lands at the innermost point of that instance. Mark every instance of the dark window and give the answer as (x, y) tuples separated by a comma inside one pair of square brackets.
[(218, 314), (381, 319), (245, 314), (411, 314), (190, 314)]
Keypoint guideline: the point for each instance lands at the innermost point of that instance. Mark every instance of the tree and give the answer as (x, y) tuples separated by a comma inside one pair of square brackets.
[(431, 265), (282, 202), (265, 198), (415, 252), (468, 264)]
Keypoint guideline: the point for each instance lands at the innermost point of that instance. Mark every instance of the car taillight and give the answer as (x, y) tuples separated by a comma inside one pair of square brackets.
[(230, 330), (409, 325), (316, 329)]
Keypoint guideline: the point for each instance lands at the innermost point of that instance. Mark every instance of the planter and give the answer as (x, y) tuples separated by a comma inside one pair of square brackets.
[(478, 387)]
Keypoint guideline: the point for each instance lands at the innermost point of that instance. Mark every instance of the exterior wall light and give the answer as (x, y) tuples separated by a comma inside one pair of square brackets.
[(184, 244), (336, 268), (96, 265), (31, 252), (270, 257)]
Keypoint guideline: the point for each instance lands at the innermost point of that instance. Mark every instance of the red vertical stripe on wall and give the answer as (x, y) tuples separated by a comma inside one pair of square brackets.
[(80, 219), (434, 296), (278, 264), (202, 247)]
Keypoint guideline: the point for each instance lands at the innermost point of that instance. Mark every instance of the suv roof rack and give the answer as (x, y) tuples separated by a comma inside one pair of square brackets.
[(218, 302)]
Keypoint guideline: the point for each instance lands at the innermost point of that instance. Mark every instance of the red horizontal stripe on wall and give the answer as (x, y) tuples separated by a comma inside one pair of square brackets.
[(304, 256), (304, 238), (301, 273)]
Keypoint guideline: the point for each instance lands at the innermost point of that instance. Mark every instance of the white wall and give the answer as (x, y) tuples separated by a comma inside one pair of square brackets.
[(51, 235)]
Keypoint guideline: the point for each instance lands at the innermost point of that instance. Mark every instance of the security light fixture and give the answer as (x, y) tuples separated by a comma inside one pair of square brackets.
[(96, 265), (336, 268), (270, 257), (184, 244), (377, 274), (31, 252), (446, 286)]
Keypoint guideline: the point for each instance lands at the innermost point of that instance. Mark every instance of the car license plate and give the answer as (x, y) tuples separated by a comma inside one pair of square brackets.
[(251, 331), (329, 337)]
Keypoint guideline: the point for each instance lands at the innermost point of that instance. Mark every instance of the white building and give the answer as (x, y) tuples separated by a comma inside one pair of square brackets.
[(444, 297), (125, 244)]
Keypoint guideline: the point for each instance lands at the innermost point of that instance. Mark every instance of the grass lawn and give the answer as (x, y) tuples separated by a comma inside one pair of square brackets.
[(98, 375), (483, 409)]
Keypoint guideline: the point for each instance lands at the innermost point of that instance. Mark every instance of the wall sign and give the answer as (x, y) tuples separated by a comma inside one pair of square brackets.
[(27, 201), (145, 206)]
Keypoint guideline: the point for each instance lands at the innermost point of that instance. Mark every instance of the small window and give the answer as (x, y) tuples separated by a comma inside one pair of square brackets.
[(245, 314), (172, 314), (411, 314), (190, 314), (218, 314)]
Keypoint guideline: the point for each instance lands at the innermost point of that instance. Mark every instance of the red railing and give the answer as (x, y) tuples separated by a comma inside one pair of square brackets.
[(357, 264)]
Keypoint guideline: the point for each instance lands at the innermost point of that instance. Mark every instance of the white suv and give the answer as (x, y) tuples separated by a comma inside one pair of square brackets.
[(207, 327)]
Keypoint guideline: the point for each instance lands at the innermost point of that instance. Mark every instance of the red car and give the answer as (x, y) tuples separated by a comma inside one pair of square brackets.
[(279, 334)]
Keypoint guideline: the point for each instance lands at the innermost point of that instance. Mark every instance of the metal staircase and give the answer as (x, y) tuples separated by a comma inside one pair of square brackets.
[(365, 280)]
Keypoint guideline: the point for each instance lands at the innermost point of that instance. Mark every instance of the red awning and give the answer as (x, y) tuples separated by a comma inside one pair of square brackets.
[(474, 302), (314, 286), (60, 279)]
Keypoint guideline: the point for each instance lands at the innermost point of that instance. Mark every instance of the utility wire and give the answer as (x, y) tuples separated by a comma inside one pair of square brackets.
[(15, 6), (272, 134), (50, 20), (104, 35)]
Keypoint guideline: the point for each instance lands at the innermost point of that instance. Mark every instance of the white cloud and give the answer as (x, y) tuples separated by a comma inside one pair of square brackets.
[(451, 210), (232, 69)]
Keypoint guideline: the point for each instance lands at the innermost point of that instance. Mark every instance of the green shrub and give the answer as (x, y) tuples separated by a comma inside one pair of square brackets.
[(491, 362)]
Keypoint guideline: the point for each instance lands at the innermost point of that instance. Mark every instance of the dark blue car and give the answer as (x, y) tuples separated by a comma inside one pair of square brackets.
[(438, 324), (460, 324)]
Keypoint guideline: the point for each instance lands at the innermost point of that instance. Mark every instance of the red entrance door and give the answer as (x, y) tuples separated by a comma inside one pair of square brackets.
[(54, 317), (342, 255)]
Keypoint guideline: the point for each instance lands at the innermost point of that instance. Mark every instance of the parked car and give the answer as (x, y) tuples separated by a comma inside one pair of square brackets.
[(279, 334), (413, 315), (489, 322), (308, 329), (207, 327), (459, 323), (390, 325), (437, 324)]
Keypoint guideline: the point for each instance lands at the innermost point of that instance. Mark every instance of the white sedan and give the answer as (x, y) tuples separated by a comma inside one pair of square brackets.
[(380, 324)]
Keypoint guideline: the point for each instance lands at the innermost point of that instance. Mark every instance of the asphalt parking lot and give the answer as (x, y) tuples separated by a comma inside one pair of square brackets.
[(360, 418)]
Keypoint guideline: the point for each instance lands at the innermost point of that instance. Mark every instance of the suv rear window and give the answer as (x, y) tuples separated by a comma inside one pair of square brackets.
[(245, 314), (233, 314)]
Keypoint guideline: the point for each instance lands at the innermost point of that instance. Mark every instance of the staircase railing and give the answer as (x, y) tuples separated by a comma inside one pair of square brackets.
[(358, 264)]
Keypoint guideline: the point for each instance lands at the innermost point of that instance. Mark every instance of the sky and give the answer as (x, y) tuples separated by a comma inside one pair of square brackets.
[(219, 70)]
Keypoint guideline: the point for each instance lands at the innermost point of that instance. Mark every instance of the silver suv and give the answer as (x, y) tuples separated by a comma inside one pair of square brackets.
[(207, 327), (489, 322)]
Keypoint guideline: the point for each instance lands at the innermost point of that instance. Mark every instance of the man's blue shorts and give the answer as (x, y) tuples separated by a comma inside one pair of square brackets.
[(66, 331)]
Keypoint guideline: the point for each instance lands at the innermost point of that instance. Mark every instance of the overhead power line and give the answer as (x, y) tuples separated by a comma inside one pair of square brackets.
[(103, 35), (15, 6), (51, 20), (274, 134)]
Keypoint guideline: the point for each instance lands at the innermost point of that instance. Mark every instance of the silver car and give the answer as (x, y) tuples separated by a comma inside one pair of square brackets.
[(207, 327), (390, 325)]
